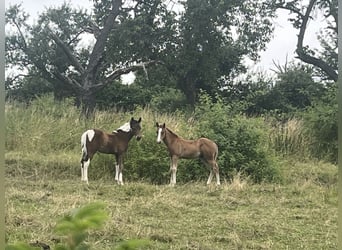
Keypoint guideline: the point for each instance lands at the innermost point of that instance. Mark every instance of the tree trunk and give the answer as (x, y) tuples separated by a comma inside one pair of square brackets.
[(88, 104)]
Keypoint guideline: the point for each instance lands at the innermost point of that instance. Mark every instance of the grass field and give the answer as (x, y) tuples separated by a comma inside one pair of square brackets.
[(298, 210), (300, 213)]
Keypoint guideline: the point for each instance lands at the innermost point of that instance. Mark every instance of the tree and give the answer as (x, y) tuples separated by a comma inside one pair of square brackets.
[(50, 48), (326, 59), (215, 38)]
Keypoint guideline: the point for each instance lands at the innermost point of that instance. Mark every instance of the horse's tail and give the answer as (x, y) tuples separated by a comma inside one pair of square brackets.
[(215, 153), (84, 146), (84, 140)]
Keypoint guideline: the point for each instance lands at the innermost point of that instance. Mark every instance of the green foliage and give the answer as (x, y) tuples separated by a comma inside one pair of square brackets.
[(75, 227), (242, 142), (122, 97), (20, 246), (209, 51), (133, 244), (321, 126), (294, 90)]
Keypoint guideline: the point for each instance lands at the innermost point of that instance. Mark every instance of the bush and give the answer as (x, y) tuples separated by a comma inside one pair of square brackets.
[(242, 141), (321, 126)]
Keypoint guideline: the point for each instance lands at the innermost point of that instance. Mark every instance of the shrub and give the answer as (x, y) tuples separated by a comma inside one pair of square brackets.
[(321, 125), (242, 141)]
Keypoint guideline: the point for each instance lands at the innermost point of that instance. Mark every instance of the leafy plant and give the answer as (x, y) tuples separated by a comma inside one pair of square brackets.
[(74, 229), (242, 141)]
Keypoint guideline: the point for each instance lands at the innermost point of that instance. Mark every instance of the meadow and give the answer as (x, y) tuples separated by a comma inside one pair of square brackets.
[(295, 210)]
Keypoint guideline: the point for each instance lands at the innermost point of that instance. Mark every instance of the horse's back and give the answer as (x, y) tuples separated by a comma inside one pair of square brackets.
[(208, 147)]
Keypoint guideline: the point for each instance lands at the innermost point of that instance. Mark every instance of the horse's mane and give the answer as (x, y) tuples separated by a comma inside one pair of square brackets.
[(124, 128), (173, 133)]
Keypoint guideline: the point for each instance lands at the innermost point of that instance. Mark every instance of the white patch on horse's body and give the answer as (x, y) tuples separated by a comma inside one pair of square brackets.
[(125, 128), (159, 135), (90, 133)]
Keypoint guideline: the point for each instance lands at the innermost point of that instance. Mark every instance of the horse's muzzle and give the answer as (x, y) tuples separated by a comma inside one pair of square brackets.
[(139, 137)]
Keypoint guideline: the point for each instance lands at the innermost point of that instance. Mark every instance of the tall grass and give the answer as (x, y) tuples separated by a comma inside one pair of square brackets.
[(43, 138), (289, 139)]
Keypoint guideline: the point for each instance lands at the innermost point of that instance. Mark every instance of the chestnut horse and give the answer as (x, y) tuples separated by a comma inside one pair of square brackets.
[(178, 148), (95, 140)]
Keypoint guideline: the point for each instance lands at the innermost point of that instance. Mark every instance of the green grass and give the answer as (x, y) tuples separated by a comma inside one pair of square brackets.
[(297, 211), (300, 214)]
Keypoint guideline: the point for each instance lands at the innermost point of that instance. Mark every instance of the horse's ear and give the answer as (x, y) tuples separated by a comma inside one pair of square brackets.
[(164, 125), (157, 124), (139, 119)]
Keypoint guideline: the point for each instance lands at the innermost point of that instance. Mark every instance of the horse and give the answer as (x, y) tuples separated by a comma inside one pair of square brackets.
[(95, 140), (179, 148)]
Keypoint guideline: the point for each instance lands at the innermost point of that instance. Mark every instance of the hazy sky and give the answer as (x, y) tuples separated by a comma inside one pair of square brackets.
[(282, 45)]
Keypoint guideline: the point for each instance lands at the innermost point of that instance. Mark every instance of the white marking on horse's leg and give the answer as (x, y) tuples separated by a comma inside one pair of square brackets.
[(82, 172), (85, 169), (159, 135), (218, 179), (120, 178), (174, 161), (210, 177), (117, 172), (173, 176)]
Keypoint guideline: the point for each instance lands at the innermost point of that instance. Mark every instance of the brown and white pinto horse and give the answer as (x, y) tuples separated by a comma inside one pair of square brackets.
[(178, 148), (95, 140)]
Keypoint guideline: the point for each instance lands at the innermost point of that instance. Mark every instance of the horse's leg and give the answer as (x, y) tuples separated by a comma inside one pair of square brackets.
[(83, 159), (120, 164), (210, 177), (214, 169), (117, 169), (218, 183), (217, 172), (173, 169), (84, 170)]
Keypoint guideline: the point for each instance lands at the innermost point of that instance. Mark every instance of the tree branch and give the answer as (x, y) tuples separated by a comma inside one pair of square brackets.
[(97, 53), (301, 52), (74, 61), (302, 55), (118, 72), (67, 80)]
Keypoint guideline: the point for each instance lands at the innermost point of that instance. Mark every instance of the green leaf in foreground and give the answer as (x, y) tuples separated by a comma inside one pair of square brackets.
[(75, 225)]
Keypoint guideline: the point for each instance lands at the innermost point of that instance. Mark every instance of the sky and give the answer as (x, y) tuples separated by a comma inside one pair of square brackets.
[(280, 49)]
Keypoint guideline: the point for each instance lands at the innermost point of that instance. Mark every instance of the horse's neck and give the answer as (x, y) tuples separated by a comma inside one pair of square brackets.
[(125, 135), (170, 137)]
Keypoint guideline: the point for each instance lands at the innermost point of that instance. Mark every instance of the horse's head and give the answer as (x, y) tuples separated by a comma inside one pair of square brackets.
[(160, 132), (136, 127)]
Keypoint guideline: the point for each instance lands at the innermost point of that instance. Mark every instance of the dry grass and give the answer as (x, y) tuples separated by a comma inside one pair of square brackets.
[(289, 139), (298, 215)]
